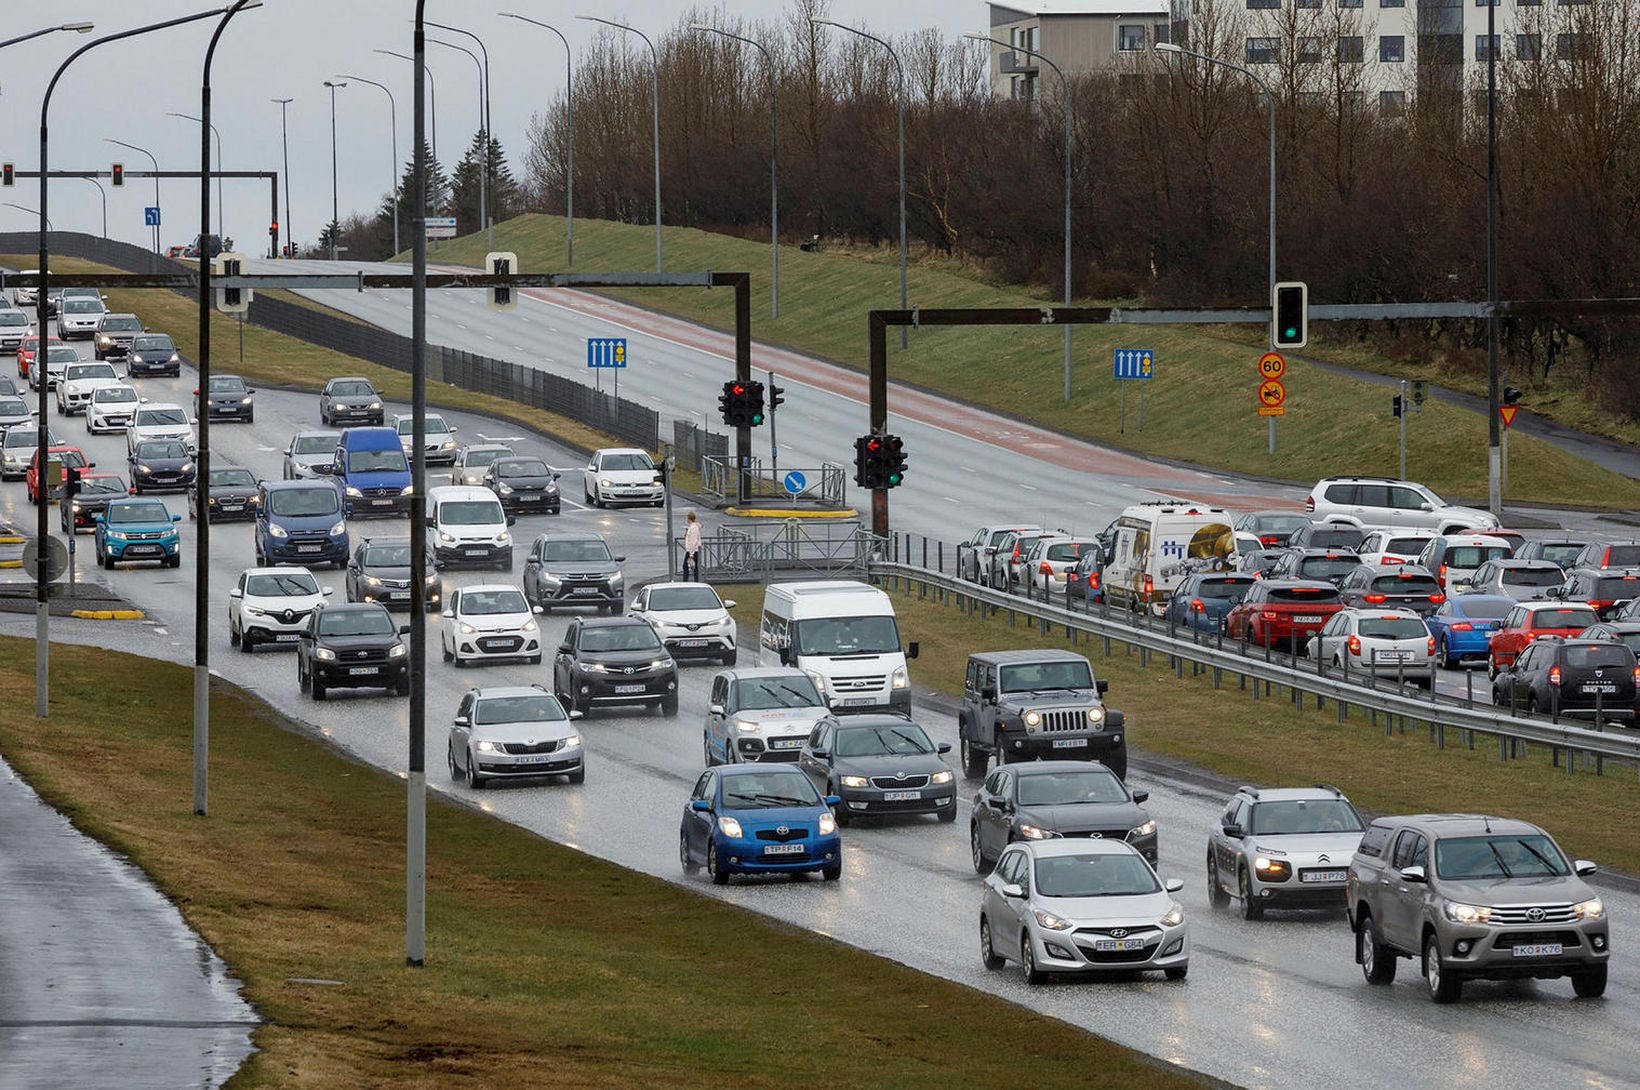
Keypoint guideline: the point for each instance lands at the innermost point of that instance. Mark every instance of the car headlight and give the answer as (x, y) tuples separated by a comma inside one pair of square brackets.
[(246, 401), (855, 781), (174, 358), (617, 579), (940, 777), (529, 626), (747, 726), (900, 680), (448, 444), (354, 492), (371, 580), (1272, 870), (1591, 909), (105, 341), (187, 467), (1050, 921), (658, 664), (503, 538), (77, 505), (571, 742), (1096, 715), (819, 680), (446, 539), (116, 535), (375, 404), (504, 489), (276, 530), (1175, 916), (595, 668), (1458, 912), (465, 629), (255, 612), (1147, 829), (144, 469), (488, 747), (324, 654), (339, 529), (728, 826), (397, 651), (548, 579), (408, 490), (603, 484), (1033, 832), (137, 359), (828, 824), (1033, 718)]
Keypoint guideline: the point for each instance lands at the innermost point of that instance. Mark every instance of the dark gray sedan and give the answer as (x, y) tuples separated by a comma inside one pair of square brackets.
[(228, 399), (879, 765), (161, 464), (233, 495), (525, 486)]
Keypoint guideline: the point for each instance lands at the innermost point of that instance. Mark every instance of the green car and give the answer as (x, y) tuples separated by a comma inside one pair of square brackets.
[(138, 529)]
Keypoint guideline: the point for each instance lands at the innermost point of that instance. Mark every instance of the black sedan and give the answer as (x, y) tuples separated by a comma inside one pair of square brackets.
[(614, 660), (379, 571), (161, 464), (880, 765), (352, 647), (233, 495), (96, 489), (525, 486), (229, 399)]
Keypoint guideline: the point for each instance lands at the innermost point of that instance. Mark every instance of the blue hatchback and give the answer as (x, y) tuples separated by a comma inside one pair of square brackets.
[(1203, 601), (759, 819), (1463, 626)]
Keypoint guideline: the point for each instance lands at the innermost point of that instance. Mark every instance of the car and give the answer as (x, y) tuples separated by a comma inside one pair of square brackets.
[(111, 408), (272, 606), (228, 399), (79, 381), (1047, 800), (1605, 590), (14, 411), (350, 401), (114, 335), (440, 441), (974, 555), (490, 623), (513, 733), (1624, 632), (1282, 847), (352, 647), (17, 450), (879, 765), (473, 461), (1086, 907), (160, 420), (1529, 620), (14, 326), (760, 714), (28, 350), (1561, 551), (27, 297), (9, 387), (1087, 578), (1203, 601), (380, 572), (617, 475), (59, 358), (1576, 677), (1404, 586), (1382, 642), (1272, 528), (1522, 580), (1393, 546), (1008, 558), (138, 529), (468, 527), (605, 661), (525, 485), (158, 464), (1513, 538), (153, 354), (371, 471), (310, 455), (64, 456), (300, 522), (1052, 561), (1261, 563), (574, 568), (1024, 704), (1282, 611), (1463, 627), (96, 491), (1474, 897), (1331, 565), (690, 618), (758, 819), (79, 317), (1384, 501), (232, 495), (1332, 537), (1454, 558)]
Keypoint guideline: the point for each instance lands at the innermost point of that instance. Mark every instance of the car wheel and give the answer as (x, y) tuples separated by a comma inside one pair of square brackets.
[(715, 864), (669, 707), (1532, 704), (535, 660), (1491, 667), (474, 780), (301, 677), (1448, 660), (580, 774), (981, 864), (1177, 972), (1377, 960), (999, 751), (1444, 987), (833, 872), (450, 759), (949, 814), (706, 750), (1250, 908), (1590, 984), (988, 956), (690, 867), (731, 658), (247, 642), (567, 700), (316, 688), (108, 561), (449, 656), (401, 687), (507, 564), (233, 635), (1217, 895), (842, 812), (1027, 961), (174, 561)]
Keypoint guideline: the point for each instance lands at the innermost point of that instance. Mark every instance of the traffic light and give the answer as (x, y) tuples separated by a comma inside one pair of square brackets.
[(865, 461), (231, 300), (893, 460), (1397, 406), (728, 402), (879, 461), (1418, 392), (775, 400), (71, 482), (119, 175), (498, 263), (1291, 309), (8, 175), (742, 404)]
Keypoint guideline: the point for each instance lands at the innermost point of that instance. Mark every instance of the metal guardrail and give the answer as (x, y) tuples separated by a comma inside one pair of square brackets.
[(1299, 676), (826, 485)]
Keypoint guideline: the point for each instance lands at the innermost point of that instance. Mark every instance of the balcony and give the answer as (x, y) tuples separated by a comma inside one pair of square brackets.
[(1015, 63)]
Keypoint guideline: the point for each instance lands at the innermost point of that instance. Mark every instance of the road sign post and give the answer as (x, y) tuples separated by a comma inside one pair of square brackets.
[(150, 216), (794, 483), (1271, 367), (1507, 414), (1137, 364), (608, 354), (441, 227)]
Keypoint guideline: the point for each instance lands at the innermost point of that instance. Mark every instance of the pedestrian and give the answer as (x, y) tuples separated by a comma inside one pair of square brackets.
[(691, 547)]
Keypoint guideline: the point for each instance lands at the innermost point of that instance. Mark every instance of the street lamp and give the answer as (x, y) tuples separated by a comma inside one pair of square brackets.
[(415, 841), (151, 159), (774, 166), (335, 213), (30, 211), (655, 77), (220, 204), (1065, 108), (103, 193), (393, 121), (483, 183), (80, 28), (489, 227), (905, 336), (431, 133), (569, 126), (284, 144)]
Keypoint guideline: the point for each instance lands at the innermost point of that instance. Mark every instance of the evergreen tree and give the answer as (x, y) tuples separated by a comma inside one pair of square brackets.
[(502, 199), (438, 196)]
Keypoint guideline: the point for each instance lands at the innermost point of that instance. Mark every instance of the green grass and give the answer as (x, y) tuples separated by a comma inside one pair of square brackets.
[(1199, 409), (298, 872)]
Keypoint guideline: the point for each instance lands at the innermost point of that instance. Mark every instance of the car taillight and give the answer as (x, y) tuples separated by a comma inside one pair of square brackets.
[(1437, 598), (1462, 626), (1093, 580), (1598, 603), (1269, 615), (1354, 645), (1269, 539), (1442, 576), (1070, 577), (1375, 599), (1309, 503), (1605, 558), (1431, 645), (1390, 560), (1150, 588), (1554, 675), (1196, 606), (1637, 677), (1045, 568)]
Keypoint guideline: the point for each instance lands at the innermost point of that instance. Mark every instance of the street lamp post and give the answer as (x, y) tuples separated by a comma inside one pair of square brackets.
[(489, 225), (103, 193), (483, 182), (80, 28), (30, 211), (335, 212), (569, 128), (284, 144), (774, 167), (393, 121), (1494, 456), (415, 859), (431, 129), (905, 334), (655, 103), (220, 204), (155, 162)]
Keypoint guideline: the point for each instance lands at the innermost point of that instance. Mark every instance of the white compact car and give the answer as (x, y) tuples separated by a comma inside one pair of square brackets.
[(511, 733), (79, 380), (272, 605), (1382, 642), (622, 475), (1393, 546), (490, 623), (760, 715), (690, 618), (1284, 847), (111, 408), (157, 420)]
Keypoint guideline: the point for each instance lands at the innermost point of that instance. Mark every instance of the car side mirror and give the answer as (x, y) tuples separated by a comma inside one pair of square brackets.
[(461, 720), (834, 800), (1413, 874), (196, 393), (912, 649), (1012, 890), (453, 429), (943, 747), (249, 390), (1426, 507), (327, 591), (537, 609), (235, 592), (447, 614), (404, 630), (700, 806), (1232, 830), (821, 754), (1101, 687), (1584, 867), (728, 603), (716, 709), (556, 476), (620, 560), (563, 649), (1141, 796), (176, 518), (987, 693), (512, 520), (430, 522), (576, 713), (1173, 885)]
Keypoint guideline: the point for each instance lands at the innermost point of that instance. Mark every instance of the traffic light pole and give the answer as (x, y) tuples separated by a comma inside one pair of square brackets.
[(743, 373)]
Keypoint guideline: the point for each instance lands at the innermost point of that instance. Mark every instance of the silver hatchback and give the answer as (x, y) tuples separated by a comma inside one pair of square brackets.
[(760, 715)]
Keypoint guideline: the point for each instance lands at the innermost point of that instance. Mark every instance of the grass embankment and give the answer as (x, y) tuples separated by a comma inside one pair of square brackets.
[(545, 967), (1270, 742), (1199, 408)]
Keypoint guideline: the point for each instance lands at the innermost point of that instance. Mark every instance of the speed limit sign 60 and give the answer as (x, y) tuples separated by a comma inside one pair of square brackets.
[(1272, 365)]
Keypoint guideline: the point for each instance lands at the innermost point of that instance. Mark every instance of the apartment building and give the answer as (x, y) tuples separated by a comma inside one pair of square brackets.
[(1080, 36)]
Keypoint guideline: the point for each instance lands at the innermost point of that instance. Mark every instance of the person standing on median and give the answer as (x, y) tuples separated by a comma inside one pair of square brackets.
[(691, 547)]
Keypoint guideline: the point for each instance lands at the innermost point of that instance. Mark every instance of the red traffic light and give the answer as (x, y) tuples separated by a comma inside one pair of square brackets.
[(737, 389)]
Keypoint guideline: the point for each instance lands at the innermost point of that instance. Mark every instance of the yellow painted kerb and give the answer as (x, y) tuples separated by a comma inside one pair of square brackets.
[(787, 513), (108, 614)]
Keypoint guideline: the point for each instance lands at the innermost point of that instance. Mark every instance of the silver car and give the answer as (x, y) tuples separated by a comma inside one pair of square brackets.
[(1522, 580), (14, 326), (79, 317), (17, 451), (307, 452), (1081, 906), (474, 461), (1283, 847), (516, 732), (760, 715), (1382, 642)]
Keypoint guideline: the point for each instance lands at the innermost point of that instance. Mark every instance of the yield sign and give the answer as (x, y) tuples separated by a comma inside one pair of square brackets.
[(1508, 413)]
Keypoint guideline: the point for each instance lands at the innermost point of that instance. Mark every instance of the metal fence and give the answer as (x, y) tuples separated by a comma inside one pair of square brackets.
[(793, 548), (826, 484), (692, 445)]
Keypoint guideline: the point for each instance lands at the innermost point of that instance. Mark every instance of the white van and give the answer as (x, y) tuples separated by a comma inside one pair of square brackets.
[(1152, 547), (466, 525), (843, 634)]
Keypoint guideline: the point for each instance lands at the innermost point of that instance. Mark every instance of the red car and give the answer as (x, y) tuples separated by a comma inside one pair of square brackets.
[(26, 353), (1529, 620), (68, 456), (1286, 611)]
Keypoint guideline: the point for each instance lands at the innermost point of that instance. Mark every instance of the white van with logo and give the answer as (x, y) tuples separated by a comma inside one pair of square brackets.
[(843, 634), (1152, 547)]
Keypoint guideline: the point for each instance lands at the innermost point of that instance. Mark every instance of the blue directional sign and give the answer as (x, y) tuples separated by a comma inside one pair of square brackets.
[(1139, 363), (795, 482), (606, 352), (150, 216)]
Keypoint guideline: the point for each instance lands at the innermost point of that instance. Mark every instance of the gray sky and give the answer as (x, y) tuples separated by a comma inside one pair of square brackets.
[(287, 49)]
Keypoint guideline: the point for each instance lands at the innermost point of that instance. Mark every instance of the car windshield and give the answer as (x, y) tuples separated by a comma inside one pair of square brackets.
[(588, 551), (377, 461), (1304, 816), (63, 355), (670, 598), (1393, 628), (1067, 550), (625, 461), (470, 513), (1066, 788), (285, 584), (768, 790), (1473, 556), (1406, 583), (1279, 524), (1533, 577), (1224, 590), (486, 602), (22, 437), (361, 622), (847, 636), (161, 417), (435, 425), (227, 384), (1568, 617), (1038, 676), (90, 370), (69, 458), (523, 467), (1589, 655), (105, 486), (1327, 567), (1106, 874), (764, 693), (314, 444), (301, 502), (233, 477), (13, 406), (1479, 608), (1531, 855), (623, 637), (81, 306), (13, 317), (114, 395), (1614, 588), (159, 449), (889, 740), (120, 325), (352, 389), (145, 511), (152, 344), (1336, 537), (387, 556), (518, 709), (1304, 596)]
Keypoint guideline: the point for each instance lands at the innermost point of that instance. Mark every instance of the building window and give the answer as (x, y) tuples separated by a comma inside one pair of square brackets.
[(1263, 50), (1263, 5), (1352, 49), (1392, 103), (1392, 3), (1130, 39), (1483, 3), (1572, 3), (1310, 100), (1528, 47), (1161, 33), (1309, 51), (1392, 48), (1314, 5), (1349, 3), (1569, 46), (1484, 46)]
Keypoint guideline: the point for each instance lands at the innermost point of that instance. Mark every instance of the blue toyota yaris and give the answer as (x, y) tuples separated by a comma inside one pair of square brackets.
[(1463, 626), (759, 819)]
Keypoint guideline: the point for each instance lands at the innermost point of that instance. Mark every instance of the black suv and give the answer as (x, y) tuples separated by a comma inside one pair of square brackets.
[(1607, 591), (525, 485), (614, 660), (232, 495), (1326, 536), (574, 569), (1570, 677), (228, 398), (350, 401), (1392, 586), (379, 571), (1050, 800), (1305, 563), (1022, 704), (352, 647)]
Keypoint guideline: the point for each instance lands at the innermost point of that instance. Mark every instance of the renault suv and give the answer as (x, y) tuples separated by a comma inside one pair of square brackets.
[(1283, 847)]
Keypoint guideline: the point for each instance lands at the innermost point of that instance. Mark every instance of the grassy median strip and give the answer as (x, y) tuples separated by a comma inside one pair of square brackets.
[(545, 966)]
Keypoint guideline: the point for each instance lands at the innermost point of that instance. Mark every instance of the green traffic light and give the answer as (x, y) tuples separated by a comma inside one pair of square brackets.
[(893, 478), (757, 418), (1291, 332)]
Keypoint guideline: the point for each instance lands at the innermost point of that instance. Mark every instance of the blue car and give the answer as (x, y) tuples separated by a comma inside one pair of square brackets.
[(759, 819), (1464, 624), (371, 470), (300, 522), (138, 530), (1203, 601)]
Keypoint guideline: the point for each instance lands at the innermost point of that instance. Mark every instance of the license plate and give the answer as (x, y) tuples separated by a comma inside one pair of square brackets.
[(233, 507), (691, 643), (495, 645), (585, 590), (399, 595), (1116, 946), (1600, 686), (529, 499), (381, 503), (624, 690), (1392, 656), (1538, 950), (360, 671), (227, 408), (786, 743), (1069, 743), (141, 550), (536, 760), (287, 637), (901, 796), (784, 849), (309, 548), (858, 702), (472, 552), (1323, 876), (1307, 618)]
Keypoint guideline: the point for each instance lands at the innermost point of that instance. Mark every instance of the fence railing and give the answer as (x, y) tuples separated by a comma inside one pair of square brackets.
[(792, 548), (826, 485)]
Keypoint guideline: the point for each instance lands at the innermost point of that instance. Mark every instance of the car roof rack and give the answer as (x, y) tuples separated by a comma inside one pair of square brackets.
[(1246, 790), (1329, 787)]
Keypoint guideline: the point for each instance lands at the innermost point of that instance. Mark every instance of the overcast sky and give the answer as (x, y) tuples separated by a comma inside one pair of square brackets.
[(287, 49)]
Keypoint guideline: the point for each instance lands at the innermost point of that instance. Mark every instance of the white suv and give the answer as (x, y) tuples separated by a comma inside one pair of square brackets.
[(1286, 847), (622, 475), (272, 605), (79, 380), (1384, 501)]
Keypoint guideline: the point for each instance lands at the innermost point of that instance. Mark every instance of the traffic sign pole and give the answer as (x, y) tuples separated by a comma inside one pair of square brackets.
[(1403, 422)]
